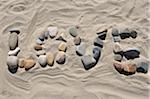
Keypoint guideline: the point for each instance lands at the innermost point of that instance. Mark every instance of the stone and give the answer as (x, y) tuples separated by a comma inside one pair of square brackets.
[(125, 68), (62, 46), (118, 57), (117, 49), (61, 57), (40, 52), (131, 53), (80, 49), (41, 36), (21, 62), (62, 37), (14, 30), (133, 34), (38, 47), (39, 42), (50, 58), (143, 67), (12, 62), (46, 33), (13, 41), (102, 35), (88, 62), (77, 40), (96, 53), (14, 52), (73, 31), (28, 64), (115, 32), (125, 33), (116, 38), (42, 60), (52, 31), (98, 42)]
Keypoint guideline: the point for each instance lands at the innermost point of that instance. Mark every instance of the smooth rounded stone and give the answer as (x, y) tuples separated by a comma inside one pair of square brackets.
[(28, 63), (41, 36), (80, 49), (131, 53), (88, 62), (102, 35), (125, 33), (115, 32), (96, 53), (21, 62), (117, 48), (50, 58), (116, 38), (16, 30), (39, 42), (14, 52), (42, 60), (133, 34), (77, 40), (40, 52), (118, 57), (13, 41), (143, 67), (52, 31), (73, 31), (12, 62), (38, 47), (61, 57), (62, 46), (62, 37), (125, 68), (46, 33), (98, 42)]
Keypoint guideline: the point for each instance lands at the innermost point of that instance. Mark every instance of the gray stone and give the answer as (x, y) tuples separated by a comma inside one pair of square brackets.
[(115, 32), (77, 40), (38, 41), (12, 62), (13, 41), (40, 52), (143, 68), (88, 62), (117, 38), (80, 49), (96, 53), (133, 34), (42, 60), (98, 42), (52, 31), (61, 57), (118, 57), (14, 52), (46, 33), (73, 31)]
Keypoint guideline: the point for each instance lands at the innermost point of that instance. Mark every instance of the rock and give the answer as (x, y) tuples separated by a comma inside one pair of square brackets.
[(143, 67), (125, 33), (62, 46), (14, 30), (96, 53), (50, 58), (46, 33), (102, 35), (118, 57), (73, 31), (125, 67), (131, 53), (14, 52), (62, 37), (40, 52), (77, 40), (80, 49), (98, 42), (117, 38), (39, 42), (88, 62), (38, 47), (41, 36), (42, 60), (52, 31), (28, 63), (115, 32), (13, 41), (61, 57), (21, 62), (12, 62), (133, 34), (117, 48)]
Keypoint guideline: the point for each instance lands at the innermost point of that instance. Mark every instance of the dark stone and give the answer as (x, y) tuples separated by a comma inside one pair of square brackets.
[(102, 35), (98, 42), (143, 68), (131, 54), (16, 30), (125, 34), (115, 32), (96, 53), (133, 34)]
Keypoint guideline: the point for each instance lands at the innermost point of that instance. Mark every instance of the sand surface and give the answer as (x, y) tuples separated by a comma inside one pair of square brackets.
[(71, 81)]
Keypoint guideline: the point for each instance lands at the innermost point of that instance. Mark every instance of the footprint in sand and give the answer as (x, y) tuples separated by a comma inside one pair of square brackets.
[(128, 59)]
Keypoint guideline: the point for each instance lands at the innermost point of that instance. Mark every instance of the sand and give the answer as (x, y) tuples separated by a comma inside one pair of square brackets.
[(71, 80)]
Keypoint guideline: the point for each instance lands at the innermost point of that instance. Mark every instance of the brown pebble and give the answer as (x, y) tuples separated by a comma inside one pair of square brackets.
[(62, 47), (77, 40), (27, 63), (38, 47), (50, 58)]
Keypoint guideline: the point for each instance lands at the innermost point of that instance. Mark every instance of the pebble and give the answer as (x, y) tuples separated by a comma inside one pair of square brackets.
[(21, 62), (143, 67), (42, 60), (116, 38), (41, 36), (12, 62), (38, 47), (28, 63), (50, 58), (96, 53), (14, 30), (102, 35), (115, 32), (14, 52), (40, 52), (46, 33), (77, 40), (133, 34), (117, 48), (88, 62), (62, 46), (13, 41), (52, 31), (98, 42), (125, 33), (118, 57), (39, 42), (61, 57), (80, 49), (131, 53), (73, 31)]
